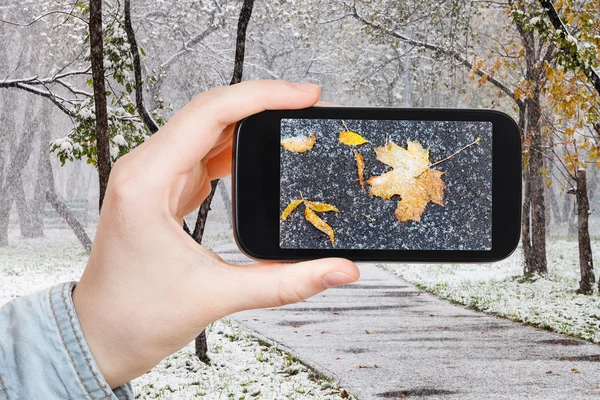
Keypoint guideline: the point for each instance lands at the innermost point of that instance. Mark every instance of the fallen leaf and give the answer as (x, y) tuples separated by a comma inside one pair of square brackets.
[(360, 167), (310, 207), (320, 207), (290, 207), (350, 138), (319, 224), (411, 178), (299, 144)]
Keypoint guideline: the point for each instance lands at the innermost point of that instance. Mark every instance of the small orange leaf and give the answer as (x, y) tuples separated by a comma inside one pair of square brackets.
[(319, 224), (299, 144), (320, 207), (350, 138), (290, 207), (360, 167)]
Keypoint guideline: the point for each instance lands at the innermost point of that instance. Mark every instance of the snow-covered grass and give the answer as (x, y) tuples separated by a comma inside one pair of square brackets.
[(500, 289), (241, 366)]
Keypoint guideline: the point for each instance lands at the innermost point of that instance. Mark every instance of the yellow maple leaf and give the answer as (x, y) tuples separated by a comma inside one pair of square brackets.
[(411, 178), (350, 138), (299, 144), (319, 224)]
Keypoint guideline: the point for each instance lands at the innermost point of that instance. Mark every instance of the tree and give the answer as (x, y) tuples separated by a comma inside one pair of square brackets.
[(573, 91), (525, 91), (101, 117), (238, 70)]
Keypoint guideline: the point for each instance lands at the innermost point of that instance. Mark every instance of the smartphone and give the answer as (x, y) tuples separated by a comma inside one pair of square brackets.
[(377, 184)]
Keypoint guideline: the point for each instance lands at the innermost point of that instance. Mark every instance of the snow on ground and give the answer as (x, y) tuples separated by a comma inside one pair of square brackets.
[(500, 289), (241, 367)]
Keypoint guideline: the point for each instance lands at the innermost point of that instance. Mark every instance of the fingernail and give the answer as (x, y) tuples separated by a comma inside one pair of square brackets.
[(336, 279), (308, 87)]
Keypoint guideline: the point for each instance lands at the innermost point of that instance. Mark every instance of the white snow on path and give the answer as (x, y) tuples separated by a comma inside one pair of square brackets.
[(385, 338)]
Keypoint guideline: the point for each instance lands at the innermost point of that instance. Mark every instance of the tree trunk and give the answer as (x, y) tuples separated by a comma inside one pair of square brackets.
[(586, 265), (526, 211), (20, 157), (536, 263), (238, 71), (202, 347), (39, 194), (22, 208), (226, 201), (198, 233), (39, 198), (97, 63), (63, 210)]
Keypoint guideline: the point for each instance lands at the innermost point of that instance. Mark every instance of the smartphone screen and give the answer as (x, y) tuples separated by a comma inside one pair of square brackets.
[(385, 184)]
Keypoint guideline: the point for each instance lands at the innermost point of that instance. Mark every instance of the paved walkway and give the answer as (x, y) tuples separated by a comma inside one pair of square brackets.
[(384, 339)]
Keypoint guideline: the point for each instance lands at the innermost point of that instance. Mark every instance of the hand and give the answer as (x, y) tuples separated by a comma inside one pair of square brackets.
[(148, 288)]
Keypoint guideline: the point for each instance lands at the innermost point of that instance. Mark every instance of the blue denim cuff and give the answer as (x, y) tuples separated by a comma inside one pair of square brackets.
[(43, 353)]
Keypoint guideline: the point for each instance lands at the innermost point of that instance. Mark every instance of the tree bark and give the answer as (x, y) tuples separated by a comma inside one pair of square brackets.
[(137, 70), (238, 70), (226, 201), (63, 210), (22, 208), (97, 62), (586, 264), (198, 233), (535, 257), (39, 194), (20, 157), (536, 262)]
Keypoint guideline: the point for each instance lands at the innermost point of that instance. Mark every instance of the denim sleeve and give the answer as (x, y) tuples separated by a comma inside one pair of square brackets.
[(43, 354)]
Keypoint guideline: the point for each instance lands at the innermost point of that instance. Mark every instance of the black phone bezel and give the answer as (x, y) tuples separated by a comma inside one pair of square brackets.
[(256, 185)]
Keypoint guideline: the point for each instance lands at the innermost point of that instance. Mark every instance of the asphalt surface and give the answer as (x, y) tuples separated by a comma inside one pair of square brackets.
[(328, 173), (382, 338)]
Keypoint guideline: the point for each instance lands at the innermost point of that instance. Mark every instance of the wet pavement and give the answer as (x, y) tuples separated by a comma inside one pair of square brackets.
[(383, 338)]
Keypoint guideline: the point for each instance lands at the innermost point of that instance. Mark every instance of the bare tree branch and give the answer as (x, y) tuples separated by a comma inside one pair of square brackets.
[(137, 69), (240, 44), (440, 50)]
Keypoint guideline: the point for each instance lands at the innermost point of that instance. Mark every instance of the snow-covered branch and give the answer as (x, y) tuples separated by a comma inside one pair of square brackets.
[(458, 56)]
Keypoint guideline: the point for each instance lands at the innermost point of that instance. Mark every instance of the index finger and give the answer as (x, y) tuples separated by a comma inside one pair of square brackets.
[(194, 130)]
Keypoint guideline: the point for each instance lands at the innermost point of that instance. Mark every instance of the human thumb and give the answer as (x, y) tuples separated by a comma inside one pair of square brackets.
[(264, 285)]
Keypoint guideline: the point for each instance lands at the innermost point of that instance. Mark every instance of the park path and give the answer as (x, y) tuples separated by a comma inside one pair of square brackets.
[(382, 338)]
